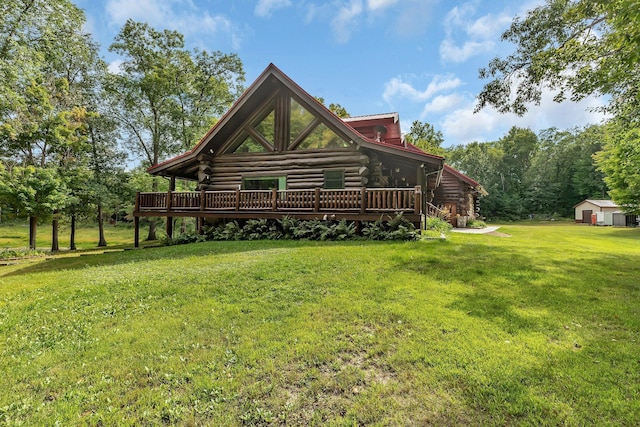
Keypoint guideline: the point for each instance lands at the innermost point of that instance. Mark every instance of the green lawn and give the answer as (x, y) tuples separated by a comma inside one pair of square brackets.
[(16, 235), (540, 328)]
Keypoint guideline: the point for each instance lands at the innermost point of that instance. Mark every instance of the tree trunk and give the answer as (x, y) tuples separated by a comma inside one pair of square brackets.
[(152, 221), (33, 228), (55, 247), (102, 241), (72, 237)]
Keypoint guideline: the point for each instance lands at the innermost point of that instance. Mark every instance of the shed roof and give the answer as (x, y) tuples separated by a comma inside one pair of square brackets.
[(599, 203)]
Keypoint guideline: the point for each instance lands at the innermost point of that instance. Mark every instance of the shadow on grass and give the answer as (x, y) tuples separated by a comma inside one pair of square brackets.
[(520, 293), (157, 253)]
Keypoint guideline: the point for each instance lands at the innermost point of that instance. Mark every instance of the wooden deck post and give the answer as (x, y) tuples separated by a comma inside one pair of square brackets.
[(418, 200), (136, 233), (136, 206), (316, 201), (274, 200), (237, 200), (169, 227), (363, 200)]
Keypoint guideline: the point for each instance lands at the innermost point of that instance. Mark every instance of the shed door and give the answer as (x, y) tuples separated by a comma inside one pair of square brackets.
[(586, 216)]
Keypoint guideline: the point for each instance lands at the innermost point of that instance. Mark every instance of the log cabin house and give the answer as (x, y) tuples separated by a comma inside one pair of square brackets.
[(279, 152)]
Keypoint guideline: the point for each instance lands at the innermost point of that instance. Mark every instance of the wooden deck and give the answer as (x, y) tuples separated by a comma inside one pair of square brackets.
[(358, 204)]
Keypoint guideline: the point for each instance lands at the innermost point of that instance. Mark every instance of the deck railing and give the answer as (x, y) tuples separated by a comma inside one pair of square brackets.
[(363, 200)]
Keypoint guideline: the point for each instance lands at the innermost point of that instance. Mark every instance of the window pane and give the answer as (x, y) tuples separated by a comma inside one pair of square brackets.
[(322, 137), (250, 145), (334, 179), (300, 119), (265, 183), (265, 127)]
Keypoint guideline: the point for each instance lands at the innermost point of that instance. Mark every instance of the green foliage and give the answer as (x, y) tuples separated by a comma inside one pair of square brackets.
[(577, 48), (165, 96), (425, 137), (526, 173), (287, 228), (437, 224), (397, 228), (20, 253), (32, 191), (620, 161), (476, 223)]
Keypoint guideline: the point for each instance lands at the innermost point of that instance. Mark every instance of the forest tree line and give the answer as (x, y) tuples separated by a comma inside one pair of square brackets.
[(70, 128)]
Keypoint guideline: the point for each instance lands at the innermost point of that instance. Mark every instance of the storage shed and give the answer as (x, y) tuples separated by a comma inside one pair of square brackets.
[(586, 208), (621, 219)]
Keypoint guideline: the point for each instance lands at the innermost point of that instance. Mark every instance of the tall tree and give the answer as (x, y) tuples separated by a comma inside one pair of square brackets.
[(166, 96), (620, 162), (33, 191), (44, 69), (577, 48), (426, 137)]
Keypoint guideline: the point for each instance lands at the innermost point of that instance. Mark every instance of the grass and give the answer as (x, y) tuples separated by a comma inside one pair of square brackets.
[(541, 328), (16, 235)]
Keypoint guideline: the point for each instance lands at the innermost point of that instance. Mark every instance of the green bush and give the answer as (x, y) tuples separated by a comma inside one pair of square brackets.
[(396, 228), (19, 253), (437, 224), (476, 223)]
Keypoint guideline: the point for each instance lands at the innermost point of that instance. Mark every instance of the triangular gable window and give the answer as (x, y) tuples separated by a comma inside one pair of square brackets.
[(266, 127), (322, 137), (250, 145), (300, 120)]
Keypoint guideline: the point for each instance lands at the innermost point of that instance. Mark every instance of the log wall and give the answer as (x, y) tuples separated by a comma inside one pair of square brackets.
[(304, 169)]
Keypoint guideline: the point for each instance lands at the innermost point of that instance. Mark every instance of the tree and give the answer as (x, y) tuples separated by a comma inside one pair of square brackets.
[(425, 137), (165, 96), (577, 48), (620, 162), (48, 72), (34, 192)]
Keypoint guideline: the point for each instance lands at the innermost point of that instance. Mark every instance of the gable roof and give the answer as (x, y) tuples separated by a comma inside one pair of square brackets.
[(270, 81), (599, 203), (475, 184)]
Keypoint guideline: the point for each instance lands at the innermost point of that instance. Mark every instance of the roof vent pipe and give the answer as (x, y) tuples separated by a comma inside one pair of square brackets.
[(379, 132)]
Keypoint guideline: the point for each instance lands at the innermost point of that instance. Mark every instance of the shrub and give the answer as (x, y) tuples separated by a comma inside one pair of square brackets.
[(396, 228), (20, 253), (437, 224), (476, 223)]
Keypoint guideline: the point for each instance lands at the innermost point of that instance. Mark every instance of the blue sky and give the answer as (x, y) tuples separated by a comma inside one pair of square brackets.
[(419, 58)]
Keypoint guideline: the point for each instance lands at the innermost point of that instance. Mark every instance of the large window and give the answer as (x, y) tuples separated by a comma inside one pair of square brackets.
[(250, 145), (334, 179), (264, 183), (322, 137)]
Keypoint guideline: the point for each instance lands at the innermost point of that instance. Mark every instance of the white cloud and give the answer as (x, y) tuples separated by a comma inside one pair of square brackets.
[(397, 88), (114, 66), (442, 103), (404, 17), (466, 36), (265, 7), (380, 4), (462, 126), (180, 15), (343, 23), (451, 52)]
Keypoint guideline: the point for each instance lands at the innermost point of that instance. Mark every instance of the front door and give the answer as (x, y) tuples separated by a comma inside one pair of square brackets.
[(586, 216)]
